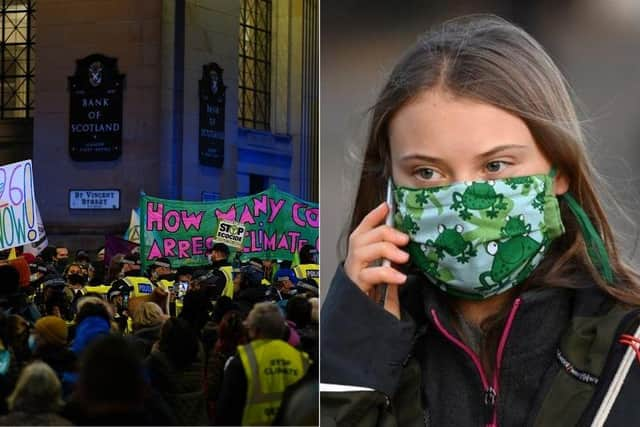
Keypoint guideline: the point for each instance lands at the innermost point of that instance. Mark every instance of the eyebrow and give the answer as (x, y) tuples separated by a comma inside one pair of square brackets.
[(492, 152)]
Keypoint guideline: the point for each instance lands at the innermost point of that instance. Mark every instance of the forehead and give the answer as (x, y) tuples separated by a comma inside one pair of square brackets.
[(439, 124)]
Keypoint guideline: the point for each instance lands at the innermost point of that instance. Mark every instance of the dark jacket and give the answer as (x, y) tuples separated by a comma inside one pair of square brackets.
[(144, 338), (60, 359), (29, 419), (233, 394), (247, 298), (417, 370), (181, 388), (63, 361)]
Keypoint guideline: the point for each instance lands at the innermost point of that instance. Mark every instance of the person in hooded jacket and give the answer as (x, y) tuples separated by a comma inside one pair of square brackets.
[(49, 344)]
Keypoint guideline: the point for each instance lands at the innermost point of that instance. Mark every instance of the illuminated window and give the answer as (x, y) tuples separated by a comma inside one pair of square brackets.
[(254, 66), (17, 58)]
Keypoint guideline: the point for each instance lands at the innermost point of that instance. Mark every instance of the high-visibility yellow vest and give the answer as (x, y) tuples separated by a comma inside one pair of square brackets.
[(139, 286), (165, 284), (270, 366), (227, 270), (99, 289), (308, 271)]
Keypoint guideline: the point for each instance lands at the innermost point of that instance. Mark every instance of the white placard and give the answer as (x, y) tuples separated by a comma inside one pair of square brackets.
[(18, 209)]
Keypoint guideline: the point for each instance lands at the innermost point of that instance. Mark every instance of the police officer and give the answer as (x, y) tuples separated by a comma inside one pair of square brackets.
[(220, 261), (284, 286), (132, 283), (161, 274), (308, 267)]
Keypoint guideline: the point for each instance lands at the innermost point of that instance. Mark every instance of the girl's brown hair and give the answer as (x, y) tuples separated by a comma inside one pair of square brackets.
[(487, 59)]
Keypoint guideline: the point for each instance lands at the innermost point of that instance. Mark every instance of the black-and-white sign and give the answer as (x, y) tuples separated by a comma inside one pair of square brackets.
[(94, 199), (211, 127), (95, 111), (231, 233)]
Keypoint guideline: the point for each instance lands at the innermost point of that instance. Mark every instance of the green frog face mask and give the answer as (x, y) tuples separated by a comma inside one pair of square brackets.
[(479, 239)]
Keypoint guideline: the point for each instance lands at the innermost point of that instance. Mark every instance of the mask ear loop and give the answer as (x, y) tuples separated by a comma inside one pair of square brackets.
[(595, 246)]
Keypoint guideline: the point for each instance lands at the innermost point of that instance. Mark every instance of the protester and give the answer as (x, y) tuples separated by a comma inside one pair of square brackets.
[(176, 370), (60, 259), (223, 305), (55, 301), (13, 299), (50, 345), (255, 380), (299, 314), (9, 367), (76, 280), (148, 319), (99, 375), (92, 321), (248, 290), (36, 399), (196, 308), (115, 268), (18, 330), (231, 334), (111, 387)]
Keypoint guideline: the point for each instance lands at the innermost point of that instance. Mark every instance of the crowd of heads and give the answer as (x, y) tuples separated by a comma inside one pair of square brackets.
[(82, 341)]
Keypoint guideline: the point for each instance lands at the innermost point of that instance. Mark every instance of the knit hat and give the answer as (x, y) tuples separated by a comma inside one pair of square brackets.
[(52, 329)]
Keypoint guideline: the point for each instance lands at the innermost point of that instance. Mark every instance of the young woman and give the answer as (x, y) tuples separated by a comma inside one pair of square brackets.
[(514, 306)]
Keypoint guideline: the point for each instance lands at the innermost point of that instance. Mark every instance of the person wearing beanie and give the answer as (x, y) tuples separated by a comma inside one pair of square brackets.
[(49, 344), (51, 330), (93, 320)]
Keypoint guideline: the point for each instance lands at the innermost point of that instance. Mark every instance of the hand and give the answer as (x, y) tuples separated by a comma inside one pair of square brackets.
[(370, 242)]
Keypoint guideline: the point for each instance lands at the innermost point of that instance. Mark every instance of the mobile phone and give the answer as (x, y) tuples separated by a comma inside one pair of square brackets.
[(388, 221)]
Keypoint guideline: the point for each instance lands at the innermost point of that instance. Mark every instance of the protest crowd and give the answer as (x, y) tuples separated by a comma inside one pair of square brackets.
[(89, 341)]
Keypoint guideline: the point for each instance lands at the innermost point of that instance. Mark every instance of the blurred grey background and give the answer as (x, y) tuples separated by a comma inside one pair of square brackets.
[(596, 43)]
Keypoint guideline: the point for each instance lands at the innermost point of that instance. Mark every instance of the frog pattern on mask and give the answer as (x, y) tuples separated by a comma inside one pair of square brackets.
[(478, 239)]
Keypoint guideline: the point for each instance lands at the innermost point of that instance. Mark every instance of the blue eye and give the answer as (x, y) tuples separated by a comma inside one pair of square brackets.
[(425, 173), (495, 166)]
